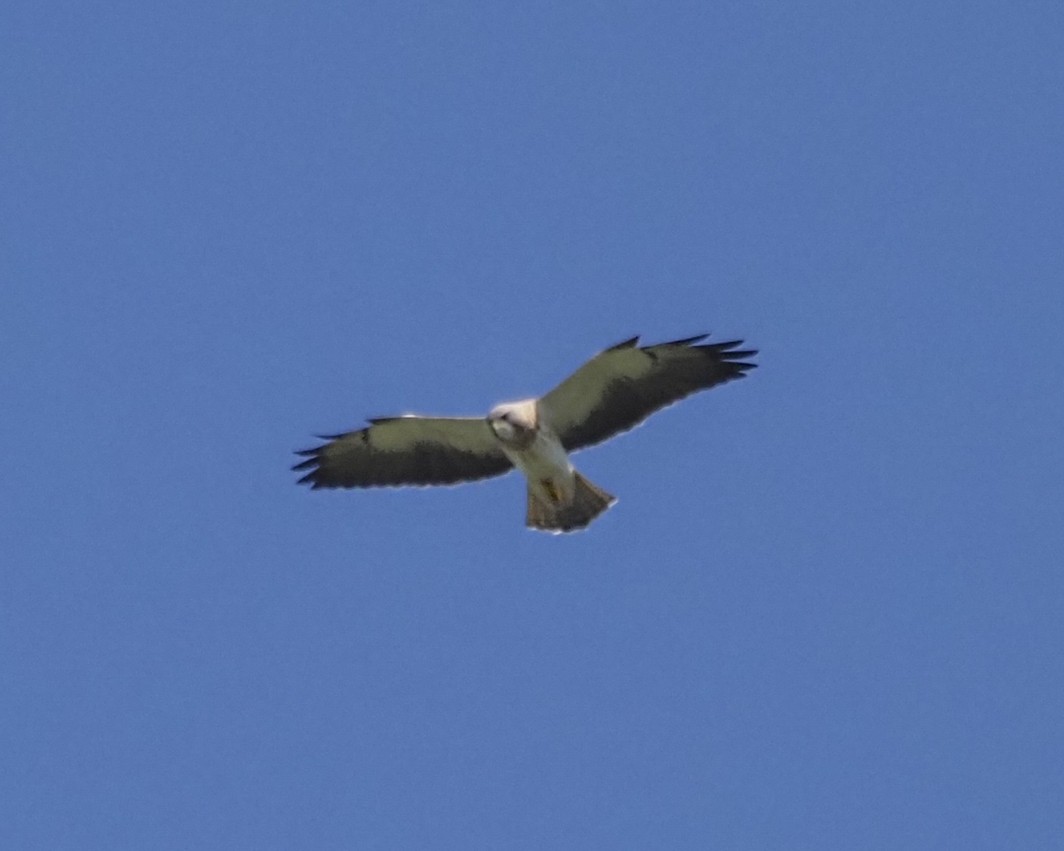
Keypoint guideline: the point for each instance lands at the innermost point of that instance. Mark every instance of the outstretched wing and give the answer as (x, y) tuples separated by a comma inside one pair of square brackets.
[(408, 450), (622, 386)]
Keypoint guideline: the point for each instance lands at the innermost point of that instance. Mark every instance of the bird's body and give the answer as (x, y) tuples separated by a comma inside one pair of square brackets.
[(612, 392), (559, 498), (538, 453)]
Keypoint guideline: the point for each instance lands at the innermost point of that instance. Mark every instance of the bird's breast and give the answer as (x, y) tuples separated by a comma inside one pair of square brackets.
[(542, 458)]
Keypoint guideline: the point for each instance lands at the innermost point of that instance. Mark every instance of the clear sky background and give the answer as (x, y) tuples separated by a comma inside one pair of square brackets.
[(827, 610)]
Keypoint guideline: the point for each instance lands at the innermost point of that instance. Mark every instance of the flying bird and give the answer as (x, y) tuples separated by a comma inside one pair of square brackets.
[(611, 393)]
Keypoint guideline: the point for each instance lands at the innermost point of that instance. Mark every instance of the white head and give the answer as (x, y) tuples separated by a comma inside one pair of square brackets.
[(515, 423)]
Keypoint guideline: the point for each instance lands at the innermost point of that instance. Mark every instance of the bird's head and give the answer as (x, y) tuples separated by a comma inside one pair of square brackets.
[(514, 423)]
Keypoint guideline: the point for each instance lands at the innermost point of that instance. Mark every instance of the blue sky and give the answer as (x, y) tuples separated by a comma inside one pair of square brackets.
[(825, 612)]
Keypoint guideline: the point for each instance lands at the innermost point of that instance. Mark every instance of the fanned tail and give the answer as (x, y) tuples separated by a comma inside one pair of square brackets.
[(588, 502)]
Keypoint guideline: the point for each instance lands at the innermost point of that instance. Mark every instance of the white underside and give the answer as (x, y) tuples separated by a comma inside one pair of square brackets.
[(546, 466)]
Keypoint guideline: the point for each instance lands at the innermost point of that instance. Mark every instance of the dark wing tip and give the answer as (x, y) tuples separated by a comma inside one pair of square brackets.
[(728, 350), (310, 467), (731, 359), (725, 354), (719, 363), (316, 475), (309, 463)]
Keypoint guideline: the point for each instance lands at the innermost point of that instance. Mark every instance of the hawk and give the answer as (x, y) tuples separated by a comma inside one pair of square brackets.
[(611, 393)]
